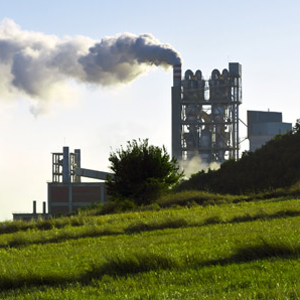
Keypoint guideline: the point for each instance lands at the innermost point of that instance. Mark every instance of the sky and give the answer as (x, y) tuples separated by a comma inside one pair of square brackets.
[(263, 36)]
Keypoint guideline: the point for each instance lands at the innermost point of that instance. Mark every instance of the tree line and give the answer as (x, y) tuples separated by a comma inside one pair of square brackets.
[(275, 165)]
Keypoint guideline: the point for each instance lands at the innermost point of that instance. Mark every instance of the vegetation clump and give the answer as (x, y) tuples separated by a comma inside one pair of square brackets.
[(142, 173), (275, 165)]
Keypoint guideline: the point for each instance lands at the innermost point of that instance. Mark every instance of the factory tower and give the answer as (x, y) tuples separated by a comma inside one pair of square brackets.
[(205, 114)]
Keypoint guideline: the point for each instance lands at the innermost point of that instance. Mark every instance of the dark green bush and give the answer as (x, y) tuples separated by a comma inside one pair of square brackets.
[(141, 173), (276, 165)]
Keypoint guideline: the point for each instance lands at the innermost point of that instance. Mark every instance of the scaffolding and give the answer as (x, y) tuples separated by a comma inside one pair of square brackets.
[(64, 164), (205, 115)]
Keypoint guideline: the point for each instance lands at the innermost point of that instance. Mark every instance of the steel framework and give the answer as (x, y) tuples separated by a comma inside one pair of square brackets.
[(205, 114)]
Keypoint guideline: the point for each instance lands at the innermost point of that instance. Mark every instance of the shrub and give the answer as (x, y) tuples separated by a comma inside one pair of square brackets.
[(141, 173)]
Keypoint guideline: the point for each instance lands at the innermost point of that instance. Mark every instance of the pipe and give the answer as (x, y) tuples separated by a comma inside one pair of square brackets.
[(225, 74), (78, 157), (215, 74), (44, 207), (34, 207), (93, 173), (188, 75), (78, 164), (198, 75), (66, 165)]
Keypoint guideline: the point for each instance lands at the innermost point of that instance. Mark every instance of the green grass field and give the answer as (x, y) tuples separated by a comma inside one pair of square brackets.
[(243, 250)]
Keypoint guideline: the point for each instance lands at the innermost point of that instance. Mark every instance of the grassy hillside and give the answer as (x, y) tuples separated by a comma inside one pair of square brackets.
[(244, 250)]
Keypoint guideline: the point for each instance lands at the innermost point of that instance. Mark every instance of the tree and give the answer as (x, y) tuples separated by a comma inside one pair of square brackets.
[(274, 165), (296, 128), (141, 172)]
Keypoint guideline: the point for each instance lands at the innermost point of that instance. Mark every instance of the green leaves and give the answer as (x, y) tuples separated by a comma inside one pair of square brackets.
[(275, 165), (142, 172)]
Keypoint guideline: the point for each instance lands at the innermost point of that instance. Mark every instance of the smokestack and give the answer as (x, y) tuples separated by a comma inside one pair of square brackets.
[(176, 112), (177, 75), (66, 165), (34, 207)]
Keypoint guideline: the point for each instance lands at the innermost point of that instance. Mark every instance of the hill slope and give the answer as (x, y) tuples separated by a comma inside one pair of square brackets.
[(232, 251), (275, 165)]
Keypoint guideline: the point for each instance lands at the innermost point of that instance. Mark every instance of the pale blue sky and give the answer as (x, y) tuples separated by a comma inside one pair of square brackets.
[(262, 35)]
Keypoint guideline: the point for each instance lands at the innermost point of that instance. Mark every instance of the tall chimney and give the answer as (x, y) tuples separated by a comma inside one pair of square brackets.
[(66, 165), (176, 112), (177, 75), (34, 207), (44, 207)]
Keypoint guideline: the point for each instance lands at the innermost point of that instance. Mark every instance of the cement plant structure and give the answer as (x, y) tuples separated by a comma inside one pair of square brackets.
[(205, 114), (66, 192)]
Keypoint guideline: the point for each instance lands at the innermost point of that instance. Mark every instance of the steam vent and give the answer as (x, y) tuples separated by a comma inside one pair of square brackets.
[(205, 114)]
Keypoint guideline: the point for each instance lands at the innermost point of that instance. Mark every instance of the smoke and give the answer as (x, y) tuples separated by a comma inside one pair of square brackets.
[(196, 165), (36, 64)]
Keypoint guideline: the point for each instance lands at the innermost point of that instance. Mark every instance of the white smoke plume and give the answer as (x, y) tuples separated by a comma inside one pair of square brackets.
[(195, 165), (35, 63)]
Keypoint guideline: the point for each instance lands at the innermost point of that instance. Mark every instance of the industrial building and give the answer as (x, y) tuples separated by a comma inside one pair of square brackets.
[(66, 191), (205, 125), (263, 126), (32, 216), (205, 114)]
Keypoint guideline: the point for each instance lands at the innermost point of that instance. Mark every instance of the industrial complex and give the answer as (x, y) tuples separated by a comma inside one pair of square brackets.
[(66, 191), (205, 114), (205, 125)]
